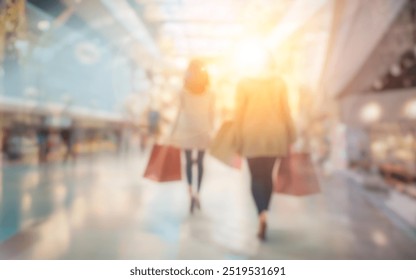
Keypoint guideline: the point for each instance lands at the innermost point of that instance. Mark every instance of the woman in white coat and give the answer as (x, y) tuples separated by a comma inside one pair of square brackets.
[(194, 124)]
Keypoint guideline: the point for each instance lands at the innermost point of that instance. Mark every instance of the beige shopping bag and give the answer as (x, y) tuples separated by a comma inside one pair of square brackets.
[(224, 145)]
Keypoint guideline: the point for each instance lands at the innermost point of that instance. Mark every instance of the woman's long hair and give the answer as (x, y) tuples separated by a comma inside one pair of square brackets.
[(196, 78)]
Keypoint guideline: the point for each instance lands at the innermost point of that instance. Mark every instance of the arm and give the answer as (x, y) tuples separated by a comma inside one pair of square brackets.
[(178, 104), (239, 112)]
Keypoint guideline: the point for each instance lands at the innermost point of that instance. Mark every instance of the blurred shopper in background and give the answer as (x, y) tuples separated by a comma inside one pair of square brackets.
[(151, 122), (194, 123), (43, 134), (264, 128), (143, 131), (154, 117), (4, 138), (68, 138)]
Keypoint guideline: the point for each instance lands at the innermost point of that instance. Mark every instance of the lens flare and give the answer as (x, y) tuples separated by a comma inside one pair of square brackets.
[(251, 58)]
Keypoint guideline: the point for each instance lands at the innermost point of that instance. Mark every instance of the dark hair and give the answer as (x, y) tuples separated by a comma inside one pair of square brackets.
[(196, 77)]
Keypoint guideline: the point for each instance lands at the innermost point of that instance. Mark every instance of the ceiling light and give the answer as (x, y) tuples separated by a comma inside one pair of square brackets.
[(370, 112), (251, 57), (410, 109), (44, 25)]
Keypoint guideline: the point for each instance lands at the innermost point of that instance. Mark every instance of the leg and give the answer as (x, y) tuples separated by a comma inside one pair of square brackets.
[(72, 152), (67, 153), (258, 193), (188, 159), (200, 161), (262, 187), (268, 164), (256, 184)]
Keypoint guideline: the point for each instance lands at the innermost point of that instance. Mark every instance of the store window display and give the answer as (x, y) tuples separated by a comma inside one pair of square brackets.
[(393, 151)]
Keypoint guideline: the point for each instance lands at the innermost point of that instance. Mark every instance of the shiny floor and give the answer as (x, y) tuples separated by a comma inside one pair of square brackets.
[(102, 208)]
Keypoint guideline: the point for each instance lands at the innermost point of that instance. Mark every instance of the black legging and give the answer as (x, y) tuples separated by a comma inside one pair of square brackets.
[(199, 162), (261, 169)]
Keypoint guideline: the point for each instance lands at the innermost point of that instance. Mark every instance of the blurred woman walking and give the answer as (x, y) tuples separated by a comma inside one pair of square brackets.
[(194, 123), (264, 129)]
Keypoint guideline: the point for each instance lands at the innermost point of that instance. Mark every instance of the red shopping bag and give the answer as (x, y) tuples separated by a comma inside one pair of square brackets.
[(297, 176), (164, 164)]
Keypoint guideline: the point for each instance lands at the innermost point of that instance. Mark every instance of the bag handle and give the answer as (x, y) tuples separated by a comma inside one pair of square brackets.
[(180, 107)]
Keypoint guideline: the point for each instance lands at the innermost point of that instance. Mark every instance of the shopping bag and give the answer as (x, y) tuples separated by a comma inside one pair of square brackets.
[(164, 164), (297, 176), (223, 146)]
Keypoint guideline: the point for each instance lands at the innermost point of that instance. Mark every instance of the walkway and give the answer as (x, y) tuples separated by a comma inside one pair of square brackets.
[(101, 208)]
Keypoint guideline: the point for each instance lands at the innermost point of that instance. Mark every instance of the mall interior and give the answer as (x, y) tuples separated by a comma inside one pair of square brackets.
[(80, 79)]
